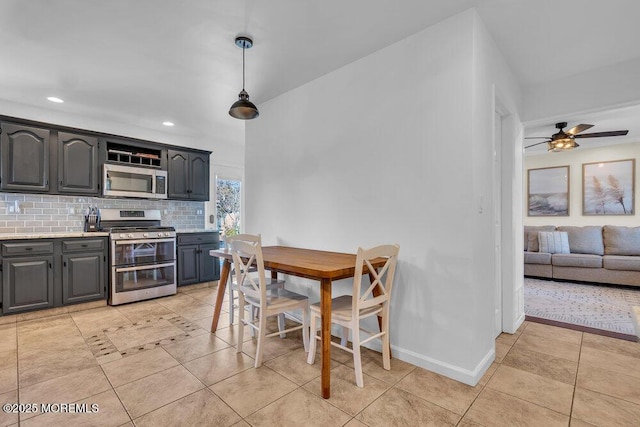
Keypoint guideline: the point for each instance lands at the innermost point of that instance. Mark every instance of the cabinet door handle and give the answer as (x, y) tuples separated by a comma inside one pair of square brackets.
[(50, 265), (28, 249), (60, 182), (84, 245), (64, 263)]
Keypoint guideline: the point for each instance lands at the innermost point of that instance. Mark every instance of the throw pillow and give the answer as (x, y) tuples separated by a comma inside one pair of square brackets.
[(554, 242), (531, 232), (620, 240)]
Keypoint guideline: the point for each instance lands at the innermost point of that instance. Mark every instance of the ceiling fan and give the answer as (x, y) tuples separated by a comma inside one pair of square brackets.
[(564, 141)]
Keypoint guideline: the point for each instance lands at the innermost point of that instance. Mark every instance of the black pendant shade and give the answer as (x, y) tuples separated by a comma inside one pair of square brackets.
[(243, 109)]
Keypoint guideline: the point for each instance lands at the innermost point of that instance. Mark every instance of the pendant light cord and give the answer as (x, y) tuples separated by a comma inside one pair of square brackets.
[(243, 49)]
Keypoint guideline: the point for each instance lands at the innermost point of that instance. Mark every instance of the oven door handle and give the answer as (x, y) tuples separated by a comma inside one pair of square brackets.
[(145, 240), (144, 267)]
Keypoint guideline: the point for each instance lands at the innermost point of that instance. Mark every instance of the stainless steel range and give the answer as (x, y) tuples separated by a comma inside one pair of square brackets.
[(143, 255)]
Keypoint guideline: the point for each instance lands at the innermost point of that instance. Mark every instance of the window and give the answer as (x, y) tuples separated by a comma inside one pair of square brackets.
[(228, 196)]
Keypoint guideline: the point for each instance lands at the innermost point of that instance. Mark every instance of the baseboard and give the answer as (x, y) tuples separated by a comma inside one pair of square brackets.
[(517, 324), (439, 367)]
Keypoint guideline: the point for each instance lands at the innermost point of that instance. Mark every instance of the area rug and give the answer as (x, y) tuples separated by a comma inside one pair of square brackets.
[(598, 307)]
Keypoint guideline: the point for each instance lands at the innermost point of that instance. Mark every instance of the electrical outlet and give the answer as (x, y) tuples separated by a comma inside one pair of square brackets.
[(72, 211), (199, 212), (12, 209)]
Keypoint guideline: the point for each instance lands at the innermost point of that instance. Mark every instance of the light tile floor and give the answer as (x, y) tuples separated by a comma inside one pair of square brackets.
[(154, 363)]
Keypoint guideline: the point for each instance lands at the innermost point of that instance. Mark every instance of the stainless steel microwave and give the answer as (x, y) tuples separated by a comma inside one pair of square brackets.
[(131, 181)]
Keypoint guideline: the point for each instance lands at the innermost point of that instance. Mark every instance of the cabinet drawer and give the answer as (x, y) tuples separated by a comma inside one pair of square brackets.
[(29, 248), (198, 238), (82, 245)]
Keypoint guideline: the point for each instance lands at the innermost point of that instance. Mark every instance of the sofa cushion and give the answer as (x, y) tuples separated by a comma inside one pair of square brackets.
[(531, 236), (619, 262), (576, 260), (554, 242), (585, 240), (537, 258), (621, 240)]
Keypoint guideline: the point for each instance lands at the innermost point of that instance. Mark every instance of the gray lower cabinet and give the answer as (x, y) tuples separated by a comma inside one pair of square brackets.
[(83, 270), (40, 273), (195, 265), (27, 276)]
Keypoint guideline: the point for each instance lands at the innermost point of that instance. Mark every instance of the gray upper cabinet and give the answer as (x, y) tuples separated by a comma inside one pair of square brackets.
[(24, 154), (33, 153), (78, 171), (199, 176), (178, 174), (188, 173)]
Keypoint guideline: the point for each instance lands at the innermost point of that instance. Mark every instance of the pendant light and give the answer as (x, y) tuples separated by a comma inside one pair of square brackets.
[(243, 109)]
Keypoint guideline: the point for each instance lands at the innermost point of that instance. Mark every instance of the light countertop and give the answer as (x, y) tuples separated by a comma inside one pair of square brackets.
[(57, 235), (196, 230)]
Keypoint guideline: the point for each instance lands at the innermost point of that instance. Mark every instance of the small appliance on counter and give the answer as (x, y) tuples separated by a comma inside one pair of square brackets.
[(92, 219)]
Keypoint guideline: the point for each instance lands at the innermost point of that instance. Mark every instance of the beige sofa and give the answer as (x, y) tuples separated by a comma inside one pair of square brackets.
[(609, 254)]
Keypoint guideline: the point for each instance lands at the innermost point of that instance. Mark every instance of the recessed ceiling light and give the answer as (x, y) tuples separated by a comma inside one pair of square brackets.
[(168, 123), (55, 99)]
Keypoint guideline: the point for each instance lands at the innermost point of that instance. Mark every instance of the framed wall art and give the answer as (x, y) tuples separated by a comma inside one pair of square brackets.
[(608, 188), (548, 191)]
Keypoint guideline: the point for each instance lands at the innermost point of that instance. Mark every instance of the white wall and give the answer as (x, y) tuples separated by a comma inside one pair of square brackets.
[(383, 150), (575, 159), (226, 141), (595, 90), (496, 89)]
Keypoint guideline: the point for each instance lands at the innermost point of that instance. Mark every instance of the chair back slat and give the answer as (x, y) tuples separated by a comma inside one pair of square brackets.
[(381, 279), (247, 254)]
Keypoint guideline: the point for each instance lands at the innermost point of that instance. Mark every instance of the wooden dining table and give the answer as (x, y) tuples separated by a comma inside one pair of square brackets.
[(316, 265)]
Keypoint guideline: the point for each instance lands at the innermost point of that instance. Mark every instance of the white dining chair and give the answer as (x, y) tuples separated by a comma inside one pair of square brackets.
[(232, 285), (253, 290), (348, 310)]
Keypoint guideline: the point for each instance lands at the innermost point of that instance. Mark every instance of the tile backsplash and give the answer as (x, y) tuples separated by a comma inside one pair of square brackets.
[(31, 213)]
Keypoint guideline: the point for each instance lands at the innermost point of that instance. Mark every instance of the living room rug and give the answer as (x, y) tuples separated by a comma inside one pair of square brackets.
[(598, 307)]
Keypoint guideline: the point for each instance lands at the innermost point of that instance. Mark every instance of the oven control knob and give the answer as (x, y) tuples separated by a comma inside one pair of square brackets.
[(145, 234), (122, 236), (131, 235), (166, 234), (160, 234)]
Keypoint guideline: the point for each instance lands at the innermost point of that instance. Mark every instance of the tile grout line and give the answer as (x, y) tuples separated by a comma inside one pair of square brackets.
[(392, 386), (575, 383), (489, 379)]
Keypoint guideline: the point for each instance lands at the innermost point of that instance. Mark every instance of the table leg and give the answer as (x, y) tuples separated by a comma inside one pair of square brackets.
[(325, 334), (222, 287), (376, 292)]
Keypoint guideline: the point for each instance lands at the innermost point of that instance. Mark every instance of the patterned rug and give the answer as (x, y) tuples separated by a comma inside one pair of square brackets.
[(594, 306)]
